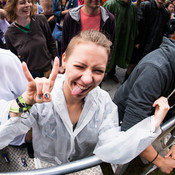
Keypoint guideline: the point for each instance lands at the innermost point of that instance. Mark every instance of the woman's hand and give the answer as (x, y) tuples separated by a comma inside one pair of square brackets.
[(171, 153), (161, 108), (39, 89)]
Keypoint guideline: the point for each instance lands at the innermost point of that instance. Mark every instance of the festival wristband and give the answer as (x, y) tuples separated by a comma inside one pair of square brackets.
[(23, 106)]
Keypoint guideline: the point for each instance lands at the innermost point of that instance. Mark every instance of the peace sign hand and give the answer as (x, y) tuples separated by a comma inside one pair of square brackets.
[(39, 89)]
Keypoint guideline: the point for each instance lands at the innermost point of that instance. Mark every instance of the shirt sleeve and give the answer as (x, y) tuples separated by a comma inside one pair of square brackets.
[(120, 147), (10, 130), (147, 87), (4, 111)]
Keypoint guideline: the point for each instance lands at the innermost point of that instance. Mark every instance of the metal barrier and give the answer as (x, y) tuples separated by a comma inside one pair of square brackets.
[(62, 169), (168, 124), (79, 164)]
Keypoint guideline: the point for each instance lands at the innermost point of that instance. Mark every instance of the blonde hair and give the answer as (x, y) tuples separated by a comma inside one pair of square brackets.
[(89, 36), (11, 6)]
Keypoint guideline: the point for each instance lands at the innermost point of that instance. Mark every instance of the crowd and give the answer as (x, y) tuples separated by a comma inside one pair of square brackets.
[(54, 55)]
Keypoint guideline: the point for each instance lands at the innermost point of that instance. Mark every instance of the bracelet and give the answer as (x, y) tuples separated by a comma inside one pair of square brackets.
[(21, 103), (18, 110), (23, 106), (155, 158)]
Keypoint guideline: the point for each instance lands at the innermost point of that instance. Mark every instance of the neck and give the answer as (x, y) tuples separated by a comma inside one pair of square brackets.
[(90, 11), (23, 22)]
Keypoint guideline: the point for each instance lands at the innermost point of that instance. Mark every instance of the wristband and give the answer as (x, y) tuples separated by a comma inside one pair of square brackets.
[(155, 158), (18, 110), (20, 101), (23, 106)]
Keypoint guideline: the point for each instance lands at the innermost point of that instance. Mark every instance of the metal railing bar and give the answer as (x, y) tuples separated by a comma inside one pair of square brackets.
[(168, 124), (62, 169)]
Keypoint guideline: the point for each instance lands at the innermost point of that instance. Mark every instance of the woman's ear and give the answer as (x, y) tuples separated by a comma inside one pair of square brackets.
[(64, 60)]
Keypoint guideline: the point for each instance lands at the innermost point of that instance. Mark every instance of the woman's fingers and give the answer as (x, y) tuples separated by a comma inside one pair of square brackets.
[(161, 101), (54, 72), (39, 89), (42, 90), (168, 154), (26, 72)]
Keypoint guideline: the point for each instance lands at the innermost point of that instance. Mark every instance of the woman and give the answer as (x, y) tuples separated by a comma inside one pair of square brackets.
[(29, 37), (79, 117)]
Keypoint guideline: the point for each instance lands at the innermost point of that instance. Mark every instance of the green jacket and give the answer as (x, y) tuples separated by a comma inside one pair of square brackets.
[(126, 31)]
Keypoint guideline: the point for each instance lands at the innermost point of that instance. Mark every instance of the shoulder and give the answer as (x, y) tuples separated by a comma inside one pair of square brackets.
[(8, 58), (106, 14), (75, 13), (156, 67), (145, 4), (39, 17), (109, 3), (10, 29), (110, 14)]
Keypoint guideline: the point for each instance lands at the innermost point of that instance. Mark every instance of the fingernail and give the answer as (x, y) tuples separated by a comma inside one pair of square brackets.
[(40, 97), (46, 95)]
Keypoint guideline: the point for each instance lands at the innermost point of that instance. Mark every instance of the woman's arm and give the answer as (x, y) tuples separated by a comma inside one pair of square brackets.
[(119, 147)]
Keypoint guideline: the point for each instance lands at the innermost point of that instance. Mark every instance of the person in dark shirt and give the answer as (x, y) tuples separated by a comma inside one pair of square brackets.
[(153, 23), (152, 77)]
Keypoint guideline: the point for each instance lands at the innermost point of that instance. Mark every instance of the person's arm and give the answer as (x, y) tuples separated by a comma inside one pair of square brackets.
[(57, 11), (148, 86), (10, 130), (9, 43), (166, 165), (51, 18), (127, 145)]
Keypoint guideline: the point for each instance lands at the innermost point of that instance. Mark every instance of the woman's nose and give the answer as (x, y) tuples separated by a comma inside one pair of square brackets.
[(87, 77)]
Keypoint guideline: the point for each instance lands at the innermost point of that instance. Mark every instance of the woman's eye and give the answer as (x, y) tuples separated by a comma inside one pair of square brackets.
[(22, 2), (78, 66), (99, 71)]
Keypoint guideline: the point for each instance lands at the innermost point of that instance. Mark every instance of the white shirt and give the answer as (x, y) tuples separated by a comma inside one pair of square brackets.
[(12, 84), (55, 141)]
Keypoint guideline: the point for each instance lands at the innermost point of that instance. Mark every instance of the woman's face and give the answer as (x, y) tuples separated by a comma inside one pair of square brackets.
[(23, 8), (85, 69)]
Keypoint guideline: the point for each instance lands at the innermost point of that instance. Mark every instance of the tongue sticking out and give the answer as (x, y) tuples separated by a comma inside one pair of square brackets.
[(76, 90)]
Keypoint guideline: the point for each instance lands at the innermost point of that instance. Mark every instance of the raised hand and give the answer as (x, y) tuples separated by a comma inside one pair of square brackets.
[(39, 89), (161, 108)]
